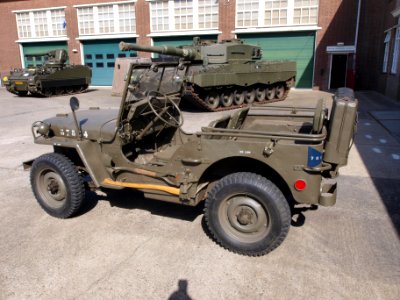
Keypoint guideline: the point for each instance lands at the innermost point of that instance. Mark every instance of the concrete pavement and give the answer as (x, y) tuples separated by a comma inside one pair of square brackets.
[(123, 246)]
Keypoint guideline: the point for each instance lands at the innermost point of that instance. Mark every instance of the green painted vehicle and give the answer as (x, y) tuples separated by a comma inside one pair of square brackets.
[(226, 75), (248, 165), (55, 77)]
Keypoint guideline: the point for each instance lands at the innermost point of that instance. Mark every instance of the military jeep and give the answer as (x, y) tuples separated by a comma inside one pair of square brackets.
[(247, 165)]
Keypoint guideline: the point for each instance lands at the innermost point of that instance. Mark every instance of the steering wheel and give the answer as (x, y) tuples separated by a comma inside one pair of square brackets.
[(160, 105)]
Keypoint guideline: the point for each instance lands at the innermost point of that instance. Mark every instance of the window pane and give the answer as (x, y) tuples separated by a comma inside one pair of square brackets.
[(58, 22), (23, 25), (41, 26)]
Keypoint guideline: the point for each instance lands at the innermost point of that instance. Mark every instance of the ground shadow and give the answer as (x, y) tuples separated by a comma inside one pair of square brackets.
[(298, 216), (133, 199), (382, 170), (181, 293)]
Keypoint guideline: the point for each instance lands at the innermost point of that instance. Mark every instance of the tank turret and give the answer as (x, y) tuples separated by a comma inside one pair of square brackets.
[(213, 53), (225, 75), (57, 57)]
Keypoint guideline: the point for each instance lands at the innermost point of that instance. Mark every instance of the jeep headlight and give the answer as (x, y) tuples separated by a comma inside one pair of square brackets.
[(41, 128)]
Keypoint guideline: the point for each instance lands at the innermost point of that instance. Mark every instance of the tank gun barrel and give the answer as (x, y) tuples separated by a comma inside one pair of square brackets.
[(168, 50)]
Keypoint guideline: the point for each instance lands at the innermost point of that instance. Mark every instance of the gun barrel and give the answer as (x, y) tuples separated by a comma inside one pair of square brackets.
[(168, 50)]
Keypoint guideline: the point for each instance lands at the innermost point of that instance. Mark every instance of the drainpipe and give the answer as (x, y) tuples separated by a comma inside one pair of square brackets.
[(356, 42)]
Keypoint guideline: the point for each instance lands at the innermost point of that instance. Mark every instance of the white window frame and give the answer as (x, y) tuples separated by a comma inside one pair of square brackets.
[(52, 32), (171, 20), (396, 50), (116, 24), (386, 42), (290, 8)]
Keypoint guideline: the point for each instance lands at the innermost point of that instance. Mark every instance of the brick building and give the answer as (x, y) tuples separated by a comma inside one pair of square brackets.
[(378, 65), (320, 35)]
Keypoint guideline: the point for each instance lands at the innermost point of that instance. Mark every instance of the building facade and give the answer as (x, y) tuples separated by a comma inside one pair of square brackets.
[(320, 35), (378, 65)]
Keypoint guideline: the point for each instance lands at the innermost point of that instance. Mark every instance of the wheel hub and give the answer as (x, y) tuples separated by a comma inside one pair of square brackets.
[(246, 215), (53, 187)]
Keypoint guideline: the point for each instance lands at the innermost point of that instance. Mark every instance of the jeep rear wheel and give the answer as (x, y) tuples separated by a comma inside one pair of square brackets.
[(247, 214), (57, 185)]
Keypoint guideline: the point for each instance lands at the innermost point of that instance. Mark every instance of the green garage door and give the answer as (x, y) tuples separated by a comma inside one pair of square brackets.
[(35, 53), (100, 55), (297, 46)]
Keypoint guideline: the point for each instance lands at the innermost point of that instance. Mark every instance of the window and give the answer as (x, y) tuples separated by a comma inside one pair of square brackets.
[(41, 26), (23, 24), (386, 52), (275, 12), (106, 19), (268, 13), (86, 20), (159, 15), (305, 12), (41, 23), (126, 18), (208, 14), (58, 22), (396, 50), (183, 15), (247, 13), (183, 12)]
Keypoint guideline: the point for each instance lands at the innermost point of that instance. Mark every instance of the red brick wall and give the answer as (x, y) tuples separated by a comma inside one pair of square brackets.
[(227, 10), (338, 21), (376, 18), (8, 28)]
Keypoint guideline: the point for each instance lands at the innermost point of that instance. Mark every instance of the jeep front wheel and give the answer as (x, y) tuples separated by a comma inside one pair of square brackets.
[(247, 214), (57, 185)]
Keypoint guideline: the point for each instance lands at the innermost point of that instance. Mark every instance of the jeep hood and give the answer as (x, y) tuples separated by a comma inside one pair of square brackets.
[(95, 124)]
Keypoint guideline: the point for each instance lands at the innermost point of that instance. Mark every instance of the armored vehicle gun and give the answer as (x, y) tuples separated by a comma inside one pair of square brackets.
[(55, 77), (226, 75), (247, 165)]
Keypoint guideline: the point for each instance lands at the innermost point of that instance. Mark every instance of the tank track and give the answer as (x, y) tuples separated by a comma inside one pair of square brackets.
[(195, 99), (61, 92)]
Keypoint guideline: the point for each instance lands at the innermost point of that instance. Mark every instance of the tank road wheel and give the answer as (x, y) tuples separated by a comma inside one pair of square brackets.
[(212, 100), (58, 91), (279, 91), (250, 96), (47, 92), (22, 93), (270, 93), (227, 99), (247, 214), (238, 98), (57, 185), (69, 90), (260, 94)]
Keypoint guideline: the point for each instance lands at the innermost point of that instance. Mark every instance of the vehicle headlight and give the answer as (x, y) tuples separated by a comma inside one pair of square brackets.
[(5, 78), (41, 128)]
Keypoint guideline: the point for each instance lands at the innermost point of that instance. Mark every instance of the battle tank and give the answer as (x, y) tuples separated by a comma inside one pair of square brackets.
[(226, 75), (55, 77)]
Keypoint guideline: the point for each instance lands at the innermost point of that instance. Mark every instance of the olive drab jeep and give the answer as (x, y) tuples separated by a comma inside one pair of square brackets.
[(246, 165)]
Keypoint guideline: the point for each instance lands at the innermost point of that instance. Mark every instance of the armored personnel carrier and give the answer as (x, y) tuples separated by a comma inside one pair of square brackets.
[(247, 165), (226, 75), (55, 77)]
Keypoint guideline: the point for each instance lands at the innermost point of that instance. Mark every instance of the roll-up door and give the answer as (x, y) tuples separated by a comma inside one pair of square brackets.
[(297, 46), (100, 55)]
